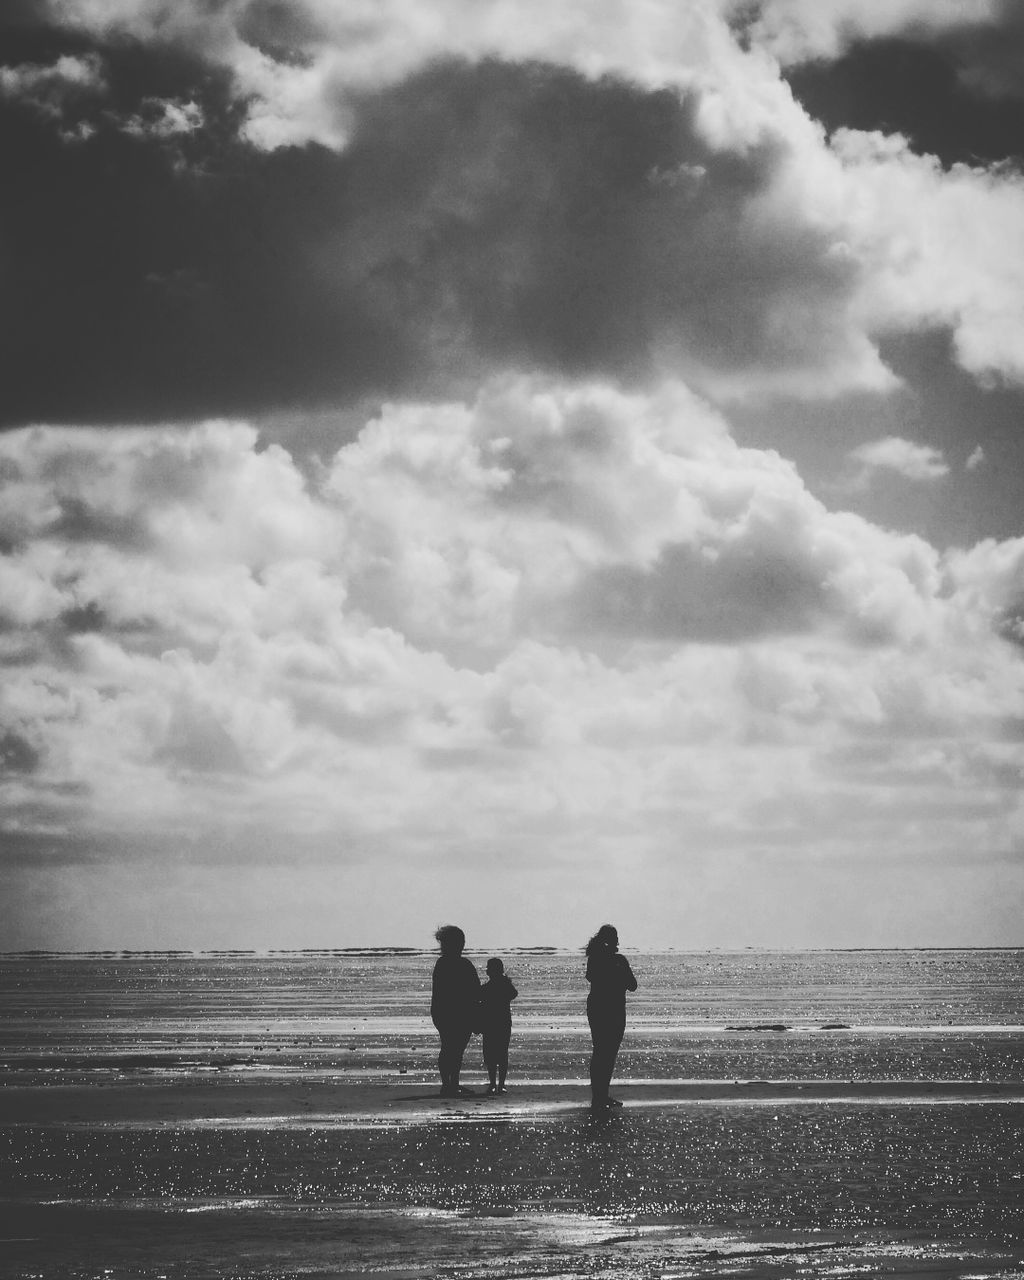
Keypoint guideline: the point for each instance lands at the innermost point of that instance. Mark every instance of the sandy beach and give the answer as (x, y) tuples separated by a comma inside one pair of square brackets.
[(267, 1176), (136, 1142), (341, 1102), (270, 1177)]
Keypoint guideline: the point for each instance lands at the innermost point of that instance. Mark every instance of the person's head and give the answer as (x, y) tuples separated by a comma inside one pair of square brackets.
[(606, 939), (495, 967), (450, 939)]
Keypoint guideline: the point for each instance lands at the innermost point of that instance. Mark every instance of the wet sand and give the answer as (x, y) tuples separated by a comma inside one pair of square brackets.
[(191, 1120), (341, 1101), (269, 1178)]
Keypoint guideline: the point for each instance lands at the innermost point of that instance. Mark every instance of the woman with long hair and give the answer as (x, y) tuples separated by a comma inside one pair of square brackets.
[(610, 977), (454, 1000)]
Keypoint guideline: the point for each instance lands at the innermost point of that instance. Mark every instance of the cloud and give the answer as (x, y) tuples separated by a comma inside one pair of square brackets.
[(162, 119), (298, 67), (398, 521), (976, 458), (75, 92), (661, 204), (57, 91), (912, 461), (801, 30), (46, 87), (553, 613), (981, 39), (495, 217), (481, 217), (924, 265), (730, 545)]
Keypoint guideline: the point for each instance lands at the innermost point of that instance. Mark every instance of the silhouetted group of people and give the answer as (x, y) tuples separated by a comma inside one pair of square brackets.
[(461, 1006)]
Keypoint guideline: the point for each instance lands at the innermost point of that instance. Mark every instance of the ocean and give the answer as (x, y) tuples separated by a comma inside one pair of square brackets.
[(249, 1115)]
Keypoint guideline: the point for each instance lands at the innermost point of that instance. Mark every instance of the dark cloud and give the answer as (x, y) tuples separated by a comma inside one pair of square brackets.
[(921, 91), (84, 619), (990, 56), (1010, 624), (738, 597), (75, 520), (17, 754), (488, 215), (533, 217), (282, 30), (168, 277)]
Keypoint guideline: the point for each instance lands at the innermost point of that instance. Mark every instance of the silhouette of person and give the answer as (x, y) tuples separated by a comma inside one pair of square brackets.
[(610, 977), (496, 996), (454, 996)]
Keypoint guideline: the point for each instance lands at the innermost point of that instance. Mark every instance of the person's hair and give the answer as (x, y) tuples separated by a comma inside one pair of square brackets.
[(451, 939), (495, 965), (606, 936)]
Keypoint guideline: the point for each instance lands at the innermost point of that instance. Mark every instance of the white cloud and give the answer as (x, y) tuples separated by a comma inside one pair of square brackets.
[(164, 119), (913, 461), (976, 458), (915, 230), (62, 89), (336, 53), (54, 89), (47, 84), (557, 614), (625, 516)]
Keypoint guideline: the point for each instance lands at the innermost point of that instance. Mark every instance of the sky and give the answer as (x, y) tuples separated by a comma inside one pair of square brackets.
[(511, 463)]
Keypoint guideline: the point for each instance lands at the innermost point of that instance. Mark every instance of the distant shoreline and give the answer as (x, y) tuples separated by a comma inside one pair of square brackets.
[(174, 953)]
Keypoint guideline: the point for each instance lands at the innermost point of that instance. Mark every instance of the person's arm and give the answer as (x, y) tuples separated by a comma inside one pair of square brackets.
[(433, 995), (471, 980), (512, 992), (480, 1011), (628, 975)]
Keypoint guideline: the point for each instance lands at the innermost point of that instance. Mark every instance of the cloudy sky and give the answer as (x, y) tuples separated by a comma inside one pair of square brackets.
[(520, 463)]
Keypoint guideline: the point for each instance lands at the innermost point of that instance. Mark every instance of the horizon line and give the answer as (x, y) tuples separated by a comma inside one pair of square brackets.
[(539, 950)]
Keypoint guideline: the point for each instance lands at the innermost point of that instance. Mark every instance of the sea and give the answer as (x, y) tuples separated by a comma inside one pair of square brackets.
[(248, 1115)]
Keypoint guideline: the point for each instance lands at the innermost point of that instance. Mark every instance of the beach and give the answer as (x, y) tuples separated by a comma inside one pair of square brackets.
[(278, 1117)]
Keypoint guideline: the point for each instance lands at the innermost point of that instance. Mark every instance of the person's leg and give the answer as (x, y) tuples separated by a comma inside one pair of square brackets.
[(614, 1034), (600, 1069), (607, 1036), (490, 1062), (444, 1059), (460, 1038), (442, 1056), (502, 1057)]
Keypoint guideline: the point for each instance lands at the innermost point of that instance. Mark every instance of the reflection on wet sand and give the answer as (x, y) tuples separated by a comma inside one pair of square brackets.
[(194, 1133)]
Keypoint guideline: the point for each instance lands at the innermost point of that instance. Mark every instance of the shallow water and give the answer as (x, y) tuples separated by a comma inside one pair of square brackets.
[(768, 1186)]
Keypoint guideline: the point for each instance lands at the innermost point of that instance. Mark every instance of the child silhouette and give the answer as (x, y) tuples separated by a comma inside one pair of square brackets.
[(496, 996)]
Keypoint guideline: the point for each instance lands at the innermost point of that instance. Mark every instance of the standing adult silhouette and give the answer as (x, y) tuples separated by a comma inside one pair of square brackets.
[(454, 998), (610, 977)]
